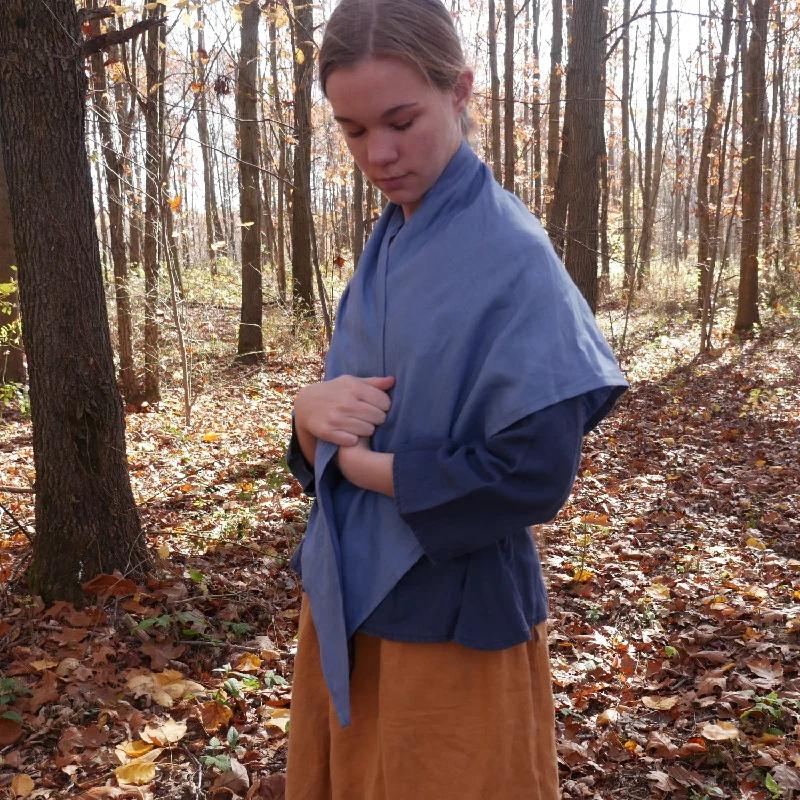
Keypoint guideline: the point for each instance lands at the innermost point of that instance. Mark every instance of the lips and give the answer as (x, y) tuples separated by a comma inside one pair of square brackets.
[(391, 183)]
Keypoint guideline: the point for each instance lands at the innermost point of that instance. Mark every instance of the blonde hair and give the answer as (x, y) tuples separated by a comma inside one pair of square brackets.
[(419, 32)]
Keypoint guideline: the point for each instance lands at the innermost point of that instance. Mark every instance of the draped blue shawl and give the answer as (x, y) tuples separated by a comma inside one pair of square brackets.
[(467, 305)]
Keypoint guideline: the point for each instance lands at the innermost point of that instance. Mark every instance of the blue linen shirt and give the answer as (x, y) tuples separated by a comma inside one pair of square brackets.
[(480, 581)]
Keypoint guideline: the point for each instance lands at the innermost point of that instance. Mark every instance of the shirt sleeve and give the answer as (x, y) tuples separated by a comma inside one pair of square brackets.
[(460, 498), (298, 465)]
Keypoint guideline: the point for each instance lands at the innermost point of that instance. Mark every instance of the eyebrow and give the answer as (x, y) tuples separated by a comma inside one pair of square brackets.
[(386, 114)]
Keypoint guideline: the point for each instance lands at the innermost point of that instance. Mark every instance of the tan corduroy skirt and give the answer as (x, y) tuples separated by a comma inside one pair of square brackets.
[(429, 722)]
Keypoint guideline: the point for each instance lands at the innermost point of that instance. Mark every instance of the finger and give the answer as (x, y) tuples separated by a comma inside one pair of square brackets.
[(343, 438), (376, 397), (380, 383), (369, 413), (358, 427)]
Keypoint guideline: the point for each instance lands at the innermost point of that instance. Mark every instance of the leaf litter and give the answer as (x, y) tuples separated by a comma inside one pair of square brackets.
[(673, 572)]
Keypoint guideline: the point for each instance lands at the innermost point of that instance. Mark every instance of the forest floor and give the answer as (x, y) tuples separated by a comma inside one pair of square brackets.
[(674, 577)]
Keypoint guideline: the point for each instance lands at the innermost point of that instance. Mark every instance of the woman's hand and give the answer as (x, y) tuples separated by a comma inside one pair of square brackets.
[(340, 411), (367, 469)]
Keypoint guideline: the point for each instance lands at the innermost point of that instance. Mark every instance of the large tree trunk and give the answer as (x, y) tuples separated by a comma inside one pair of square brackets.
[(213, 225), (12, 368), (784, 145), (583, 128), (154, 139), (554, 104), (302, 269), (86, 519), (280, 245), (251, 346), (105, 112), (753, 92), (508, 110), (497, 167), (627, 176), (709, 144)]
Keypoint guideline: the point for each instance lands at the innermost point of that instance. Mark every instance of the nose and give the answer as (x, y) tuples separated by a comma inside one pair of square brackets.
[(381, 149)]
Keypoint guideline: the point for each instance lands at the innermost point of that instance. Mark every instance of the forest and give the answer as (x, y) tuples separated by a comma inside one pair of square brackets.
[(179, 216)]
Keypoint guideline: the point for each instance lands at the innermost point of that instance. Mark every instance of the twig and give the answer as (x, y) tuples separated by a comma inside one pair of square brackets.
[(16, 522), (17, 490), (193, 757)]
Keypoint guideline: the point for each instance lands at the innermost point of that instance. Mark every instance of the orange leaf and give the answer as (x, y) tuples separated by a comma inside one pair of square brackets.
[(214, 715)]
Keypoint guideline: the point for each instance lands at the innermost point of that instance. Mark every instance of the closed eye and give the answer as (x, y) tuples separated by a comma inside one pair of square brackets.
[(405, 126)]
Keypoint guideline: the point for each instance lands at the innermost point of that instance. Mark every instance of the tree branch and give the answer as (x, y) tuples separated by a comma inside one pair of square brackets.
[(91, 46), (91, 14)]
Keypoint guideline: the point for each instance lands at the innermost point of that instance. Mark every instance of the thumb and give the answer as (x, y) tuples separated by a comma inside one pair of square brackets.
[(380, 383)]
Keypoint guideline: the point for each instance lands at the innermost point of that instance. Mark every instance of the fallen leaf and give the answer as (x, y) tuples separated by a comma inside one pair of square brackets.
[(719, 732), (248, 662), (162, 652), (137, 773), (661, 703), (609, 716), (10, 731), (129, 750), (235, 779), (170, 732), (22, 785), (756, 544), (214, 715), (279, 718), (659, 745), (109, 586), (45, 692), (657, 591)]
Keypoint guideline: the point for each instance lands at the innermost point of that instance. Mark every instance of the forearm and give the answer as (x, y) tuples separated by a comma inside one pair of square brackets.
[(367, 469), (307, 442)]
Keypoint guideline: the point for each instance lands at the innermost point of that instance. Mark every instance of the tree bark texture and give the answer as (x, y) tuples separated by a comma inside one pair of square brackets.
[(302, 268), (510, 148), (627, 171), (12, 368), (553, 114), (709, 144), (753, 128), (250, 346), (105, 111), (497, 167), (86, 519)]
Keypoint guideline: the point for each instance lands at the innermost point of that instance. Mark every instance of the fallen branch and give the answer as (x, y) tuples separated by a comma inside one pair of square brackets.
[(17, 490)]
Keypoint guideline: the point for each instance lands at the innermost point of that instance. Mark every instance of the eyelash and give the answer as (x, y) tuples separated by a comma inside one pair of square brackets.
[(404, 127)]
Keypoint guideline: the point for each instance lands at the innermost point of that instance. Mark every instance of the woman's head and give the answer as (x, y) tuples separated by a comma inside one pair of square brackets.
[(395, 75)]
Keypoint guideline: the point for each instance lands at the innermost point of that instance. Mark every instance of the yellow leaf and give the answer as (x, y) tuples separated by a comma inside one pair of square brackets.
[(175, 202), (236, 13), (214, 715), (164, 735), (137, 773), (22, 785), (300, 56), (757, 544), (719, 732), (631, 746), (582, 575), (248, 662), (279, 718), (658, 591), (660, 703), (163, 551), (129, 750), (210, 437), (187, 19)]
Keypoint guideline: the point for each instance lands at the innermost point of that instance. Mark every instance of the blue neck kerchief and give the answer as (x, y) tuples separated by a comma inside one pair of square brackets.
[(467, 305)]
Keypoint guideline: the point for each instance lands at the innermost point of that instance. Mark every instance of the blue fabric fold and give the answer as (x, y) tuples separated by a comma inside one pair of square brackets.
[(467, 305)]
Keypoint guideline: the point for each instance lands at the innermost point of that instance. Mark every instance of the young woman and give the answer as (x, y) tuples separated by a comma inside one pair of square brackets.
[(464, 371)]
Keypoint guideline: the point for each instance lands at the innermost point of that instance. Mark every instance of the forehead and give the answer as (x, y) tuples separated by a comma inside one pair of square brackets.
[(368, 89)]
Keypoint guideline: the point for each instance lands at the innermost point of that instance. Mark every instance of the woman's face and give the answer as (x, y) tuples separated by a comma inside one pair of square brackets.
[(401, 131)]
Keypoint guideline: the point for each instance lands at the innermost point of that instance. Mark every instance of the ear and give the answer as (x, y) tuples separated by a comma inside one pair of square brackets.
[(462, 91)]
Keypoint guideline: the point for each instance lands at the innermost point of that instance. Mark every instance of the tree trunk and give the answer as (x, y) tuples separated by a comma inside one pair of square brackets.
[(86, 519), (495, 89), (508, 111), (213, 225), (645, 244), (753, 93), (537, 113), (709, 145), (768, 167), (280, 245), (12, 368), (358, 214), (250, 346), (583, 128), (113, 169), (154, 138), (784, 144), (554, 99), (627, 177), (302, 268)]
